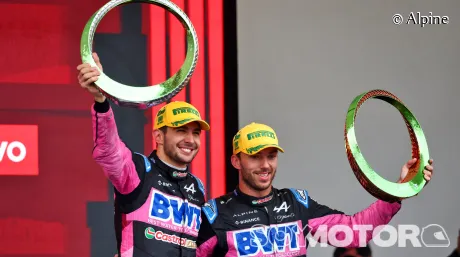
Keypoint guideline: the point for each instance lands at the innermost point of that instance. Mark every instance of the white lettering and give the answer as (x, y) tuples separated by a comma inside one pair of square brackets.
[(422, 20), (320, 236), (362, 233), (393, 236), (8, 148), (339, 240), (409, 232), (342, 236)]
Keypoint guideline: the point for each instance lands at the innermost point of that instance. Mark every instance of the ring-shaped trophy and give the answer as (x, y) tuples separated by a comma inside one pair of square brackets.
[(141, 97), (374, 184)]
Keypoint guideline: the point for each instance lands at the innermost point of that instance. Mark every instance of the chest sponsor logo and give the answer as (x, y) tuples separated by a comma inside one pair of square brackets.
[(190, 188), (246, 221), (193, 199), (165, 184), (150, 233), (283, 206), (244, 213), (281, 218), (263, 200), (174, 213), (275, 240), (178, 174)]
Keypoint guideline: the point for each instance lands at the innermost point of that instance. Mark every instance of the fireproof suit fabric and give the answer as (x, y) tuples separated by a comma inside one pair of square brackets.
[(157, 207), (277, 225)]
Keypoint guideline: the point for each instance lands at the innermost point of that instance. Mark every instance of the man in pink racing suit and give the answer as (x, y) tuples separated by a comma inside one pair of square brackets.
[(257, 219), (157, 200)]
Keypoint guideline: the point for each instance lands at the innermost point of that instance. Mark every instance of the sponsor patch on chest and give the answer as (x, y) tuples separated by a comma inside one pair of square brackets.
[(150, 233), (281, 240), (173, 213)]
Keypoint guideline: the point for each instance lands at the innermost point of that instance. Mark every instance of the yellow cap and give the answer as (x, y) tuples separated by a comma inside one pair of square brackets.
[(253, 138), (177, 114)]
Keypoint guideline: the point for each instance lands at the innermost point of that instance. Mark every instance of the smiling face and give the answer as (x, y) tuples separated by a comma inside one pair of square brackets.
[(257, 171), (178, 146)]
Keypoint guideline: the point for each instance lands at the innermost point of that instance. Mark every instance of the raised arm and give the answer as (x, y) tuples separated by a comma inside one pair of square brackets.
[(363, 224), (108, 151), (324, 220)]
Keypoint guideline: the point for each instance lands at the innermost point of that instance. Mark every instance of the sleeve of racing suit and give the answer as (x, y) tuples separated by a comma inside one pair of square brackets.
[(362, 224), (207, 239), (110, 152)]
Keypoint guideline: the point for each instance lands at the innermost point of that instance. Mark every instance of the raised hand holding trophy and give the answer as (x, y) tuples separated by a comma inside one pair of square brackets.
[(372, 182), (147, 96)]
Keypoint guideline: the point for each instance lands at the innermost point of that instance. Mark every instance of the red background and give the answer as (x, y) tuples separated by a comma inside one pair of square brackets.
[(28, 136), (39, 45)]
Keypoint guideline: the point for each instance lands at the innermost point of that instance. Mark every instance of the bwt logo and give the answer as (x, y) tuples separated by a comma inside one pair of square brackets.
[(266, 240), (19, 150), (175, 211)]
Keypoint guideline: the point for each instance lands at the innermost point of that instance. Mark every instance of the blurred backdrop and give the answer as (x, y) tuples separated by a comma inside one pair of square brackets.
[(294, 65), (301, 63)]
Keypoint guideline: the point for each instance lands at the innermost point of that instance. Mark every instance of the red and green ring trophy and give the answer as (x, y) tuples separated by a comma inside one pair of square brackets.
[(141, 97), (372, 182)]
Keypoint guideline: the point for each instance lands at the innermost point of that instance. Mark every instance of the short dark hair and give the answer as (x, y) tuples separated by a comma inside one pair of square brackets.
[(163, 129), (363, 251)]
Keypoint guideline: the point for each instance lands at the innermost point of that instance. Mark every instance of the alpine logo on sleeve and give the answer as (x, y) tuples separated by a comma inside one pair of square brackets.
[(210, 210), (301, 196)]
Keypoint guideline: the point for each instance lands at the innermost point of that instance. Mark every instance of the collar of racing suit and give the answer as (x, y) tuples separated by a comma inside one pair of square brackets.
[(167, 170), (251, 200)]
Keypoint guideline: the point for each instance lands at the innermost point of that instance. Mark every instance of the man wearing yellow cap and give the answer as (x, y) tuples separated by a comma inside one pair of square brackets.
[(257, 219), (157, 200)]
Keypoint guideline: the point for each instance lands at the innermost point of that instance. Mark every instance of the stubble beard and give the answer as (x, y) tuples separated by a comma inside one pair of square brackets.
[(249, 180), (172, 151)]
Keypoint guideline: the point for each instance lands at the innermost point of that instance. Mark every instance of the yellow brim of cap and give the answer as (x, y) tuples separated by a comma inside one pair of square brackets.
[(203, 124), (265, 147)]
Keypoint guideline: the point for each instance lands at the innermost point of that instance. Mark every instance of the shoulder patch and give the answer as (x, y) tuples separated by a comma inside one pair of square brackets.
[(210, 210), (200, 184), (148, 166), (301, 196)]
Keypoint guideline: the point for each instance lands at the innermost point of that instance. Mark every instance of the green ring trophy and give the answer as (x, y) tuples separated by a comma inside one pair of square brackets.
[(146, 96), (374, 184)]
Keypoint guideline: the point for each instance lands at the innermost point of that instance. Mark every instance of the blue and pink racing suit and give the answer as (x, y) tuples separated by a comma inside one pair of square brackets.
[(277, 225), (157, 207)]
